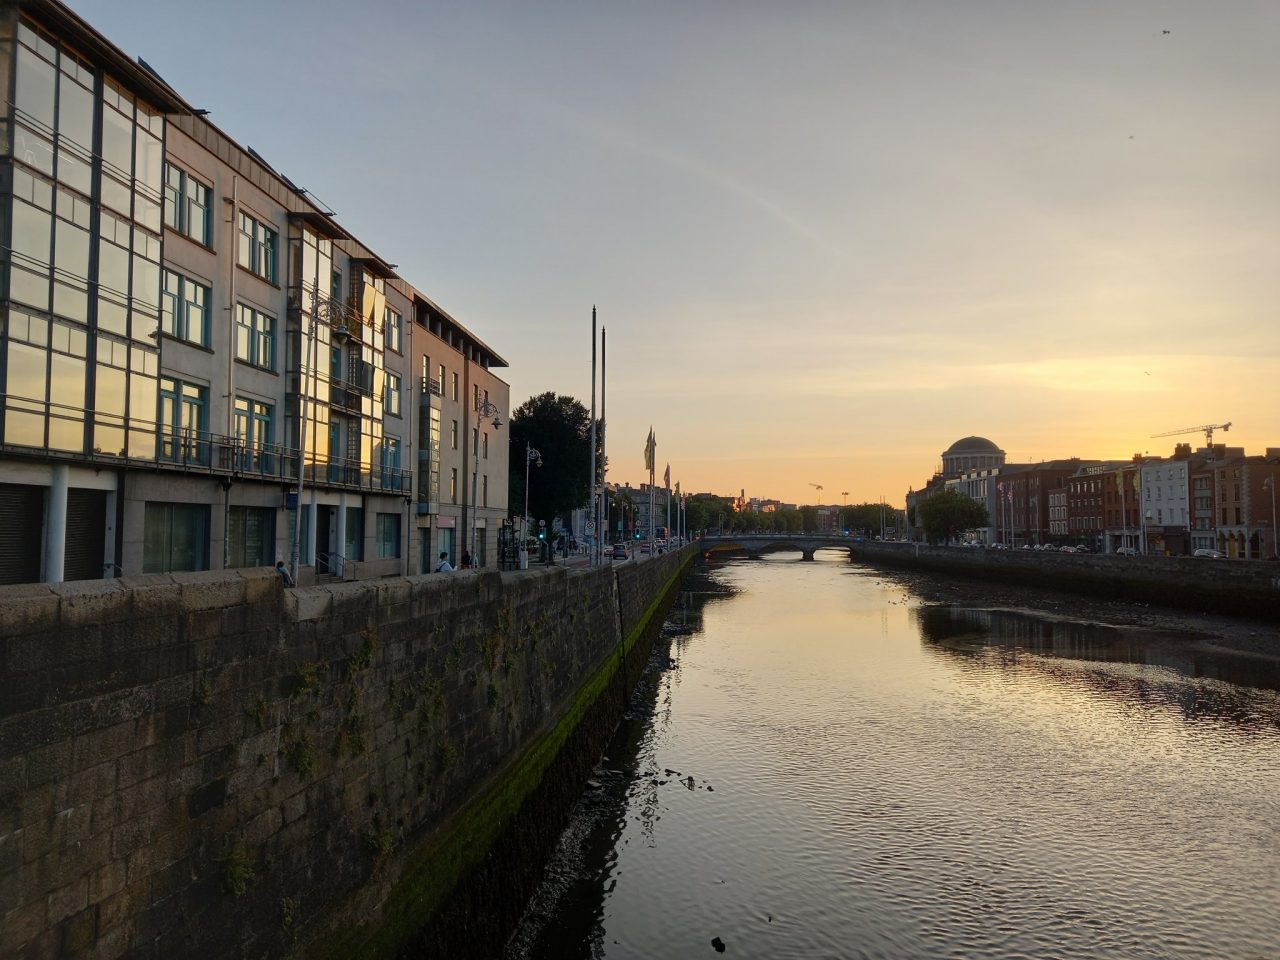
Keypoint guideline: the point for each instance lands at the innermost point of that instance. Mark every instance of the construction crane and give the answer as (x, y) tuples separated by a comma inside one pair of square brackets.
[(819, 488), (1207, 429)]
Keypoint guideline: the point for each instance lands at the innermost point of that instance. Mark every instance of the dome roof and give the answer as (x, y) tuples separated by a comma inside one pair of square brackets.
[(972, 445)]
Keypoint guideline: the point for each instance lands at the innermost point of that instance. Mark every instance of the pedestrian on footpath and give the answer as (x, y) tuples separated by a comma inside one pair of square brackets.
[(284, 574), (444, 566)]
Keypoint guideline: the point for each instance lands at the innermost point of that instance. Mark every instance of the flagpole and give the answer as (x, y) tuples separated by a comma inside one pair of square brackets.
[(601, 532), (592, 486), (667, 484)]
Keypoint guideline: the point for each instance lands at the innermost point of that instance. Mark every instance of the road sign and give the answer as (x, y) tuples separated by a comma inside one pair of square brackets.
[(541, 524), (591, 526)]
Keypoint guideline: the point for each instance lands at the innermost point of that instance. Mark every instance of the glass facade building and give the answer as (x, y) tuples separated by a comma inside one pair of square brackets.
[(199, 368)]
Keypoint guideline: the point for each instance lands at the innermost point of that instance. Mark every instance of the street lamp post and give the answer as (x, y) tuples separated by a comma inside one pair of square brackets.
[(485, 410), (530, 455)]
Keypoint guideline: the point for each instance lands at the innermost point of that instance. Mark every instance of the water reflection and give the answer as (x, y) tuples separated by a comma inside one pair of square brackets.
[(1073, 652), (876, 778)]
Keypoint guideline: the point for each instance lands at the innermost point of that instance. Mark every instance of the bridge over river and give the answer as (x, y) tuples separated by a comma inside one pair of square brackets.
[(757, 545)]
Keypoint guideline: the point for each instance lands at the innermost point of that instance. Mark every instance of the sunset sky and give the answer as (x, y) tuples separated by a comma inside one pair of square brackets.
[(827, 239)]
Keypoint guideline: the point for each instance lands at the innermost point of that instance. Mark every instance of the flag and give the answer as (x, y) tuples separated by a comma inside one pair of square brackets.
[(678, 488), (650, 446), (666, 477)]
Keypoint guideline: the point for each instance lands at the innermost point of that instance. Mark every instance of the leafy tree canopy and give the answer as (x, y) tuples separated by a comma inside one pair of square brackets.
[(946, 515), (559, 428)]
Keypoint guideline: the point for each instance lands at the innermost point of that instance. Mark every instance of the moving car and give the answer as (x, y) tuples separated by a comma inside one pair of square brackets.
[(1127, 551), (619, 551), (1210, 554)]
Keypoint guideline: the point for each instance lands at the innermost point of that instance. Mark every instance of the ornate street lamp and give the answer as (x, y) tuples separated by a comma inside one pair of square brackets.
[(485, 410), (530, 455)]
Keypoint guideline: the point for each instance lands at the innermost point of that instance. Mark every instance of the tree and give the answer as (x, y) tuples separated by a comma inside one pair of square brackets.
[(946, 515), (559, 428)]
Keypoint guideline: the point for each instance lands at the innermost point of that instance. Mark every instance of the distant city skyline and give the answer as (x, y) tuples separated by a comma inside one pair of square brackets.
[(826, 241)]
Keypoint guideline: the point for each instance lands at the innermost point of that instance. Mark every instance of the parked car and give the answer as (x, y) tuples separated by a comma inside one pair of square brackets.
[(1051, 548), (997, 546), (1081, 548), (1067, 549), (1210, 554), (1127, 551)]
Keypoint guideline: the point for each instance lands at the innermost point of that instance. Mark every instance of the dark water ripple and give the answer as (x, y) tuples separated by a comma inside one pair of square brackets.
[(827, 768)]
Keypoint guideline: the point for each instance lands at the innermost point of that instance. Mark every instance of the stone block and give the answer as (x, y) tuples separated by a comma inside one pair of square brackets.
[(307, 603), (210, 590), (29, 608), (91, 602), (262, 585), (79, 932), (262, 826), (21, 925), (107, 880), (67, 900)]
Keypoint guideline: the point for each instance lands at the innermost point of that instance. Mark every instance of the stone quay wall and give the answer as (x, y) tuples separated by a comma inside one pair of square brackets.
[(1233, 587), (210, 765)]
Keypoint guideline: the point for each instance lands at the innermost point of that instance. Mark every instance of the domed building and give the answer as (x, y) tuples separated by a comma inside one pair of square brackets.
[(971, 453)]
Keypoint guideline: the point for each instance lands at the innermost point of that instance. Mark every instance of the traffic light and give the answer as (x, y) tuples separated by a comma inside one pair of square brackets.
[(637, 535), (542, 534)]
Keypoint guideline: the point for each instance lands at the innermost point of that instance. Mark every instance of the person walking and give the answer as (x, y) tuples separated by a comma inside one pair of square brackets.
[(444, 566), (284, 573), (466, 560)]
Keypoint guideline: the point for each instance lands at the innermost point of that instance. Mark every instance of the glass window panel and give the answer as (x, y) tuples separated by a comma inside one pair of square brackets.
[(113, 267), (142, 398), (117, 141), (34, 93), (75, 113), (108, 440), (27, 379), (71, 302), (24, 429), (112, 316), (116, 195), (145, 325), (109, 391), (71, 250), (31, 231), (150, 161), (29, 287), (146, 281), (197, 322), (146, 211)]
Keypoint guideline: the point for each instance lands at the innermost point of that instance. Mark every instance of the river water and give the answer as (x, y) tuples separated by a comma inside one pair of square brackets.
[(827, 767)]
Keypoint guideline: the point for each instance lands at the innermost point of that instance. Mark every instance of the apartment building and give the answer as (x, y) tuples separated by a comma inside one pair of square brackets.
[(201, 368)]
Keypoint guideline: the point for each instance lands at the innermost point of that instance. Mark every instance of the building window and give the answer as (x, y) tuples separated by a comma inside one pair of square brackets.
[(184, 310), (453, 485), (389, 456), (484, 445), (391, 396), (393, 330), (484, 502), (255, 337), (453, 435), (186, 204), (183, 419), (455, 386), (388, 535), (175, 537), (253, 434), (251, 533), (256, 249)]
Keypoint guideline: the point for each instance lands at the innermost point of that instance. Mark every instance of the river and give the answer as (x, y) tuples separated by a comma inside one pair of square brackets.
[(821, 765)]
